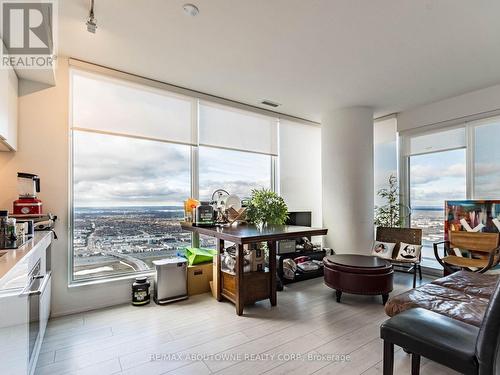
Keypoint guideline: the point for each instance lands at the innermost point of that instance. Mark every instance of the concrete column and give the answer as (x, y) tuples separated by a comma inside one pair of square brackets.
[(347, 172)]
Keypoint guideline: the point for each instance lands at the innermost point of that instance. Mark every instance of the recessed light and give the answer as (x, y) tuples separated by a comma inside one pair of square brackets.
[(270, 103), (191, 10)]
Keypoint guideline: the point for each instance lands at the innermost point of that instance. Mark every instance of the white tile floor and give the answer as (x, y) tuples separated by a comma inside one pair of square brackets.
[(208, 337)]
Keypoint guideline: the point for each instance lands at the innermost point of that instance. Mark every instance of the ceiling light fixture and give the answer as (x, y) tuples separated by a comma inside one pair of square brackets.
[(191, 10), (91, 21)]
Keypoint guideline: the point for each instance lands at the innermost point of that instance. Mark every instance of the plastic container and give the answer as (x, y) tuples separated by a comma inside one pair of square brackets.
[(140, 291)]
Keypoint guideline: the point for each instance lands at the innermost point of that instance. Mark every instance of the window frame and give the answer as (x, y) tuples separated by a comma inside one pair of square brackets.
[(194, 185)]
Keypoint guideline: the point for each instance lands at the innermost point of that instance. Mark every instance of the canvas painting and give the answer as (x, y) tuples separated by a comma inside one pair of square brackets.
[(472, 216)]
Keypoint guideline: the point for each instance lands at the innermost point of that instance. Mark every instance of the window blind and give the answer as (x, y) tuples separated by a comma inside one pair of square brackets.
[(438, 141), (110, 105), (300, 168), (225, 127), (385, 131)]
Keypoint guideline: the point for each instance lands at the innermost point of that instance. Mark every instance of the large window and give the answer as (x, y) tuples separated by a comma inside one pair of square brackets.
[(434, 178), (137, 153), (131, 173), (462, 162), (127, 202)]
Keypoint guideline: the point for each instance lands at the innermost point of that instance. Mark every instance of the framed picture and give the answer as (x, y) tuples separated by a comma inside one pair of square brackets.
[(472, 216)]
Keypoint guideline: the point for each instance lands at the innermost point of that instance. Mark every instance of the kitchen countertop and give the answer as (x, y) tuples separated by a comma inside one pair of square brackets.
[(9, 259)]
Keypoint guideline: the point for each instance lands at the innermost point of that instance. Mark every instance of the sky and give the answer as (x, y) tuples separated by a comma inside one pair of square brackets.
[(112, 171), (437, 177), (487, 161)]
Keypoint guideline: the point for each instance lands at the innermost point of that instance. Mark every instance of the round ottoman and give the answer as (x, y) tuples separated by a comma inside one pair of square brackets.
[(358, 274)]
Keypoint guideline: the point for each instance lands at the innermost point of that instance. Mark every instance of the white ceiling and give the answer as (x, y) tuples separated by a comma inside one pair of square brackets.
[(309, 55)]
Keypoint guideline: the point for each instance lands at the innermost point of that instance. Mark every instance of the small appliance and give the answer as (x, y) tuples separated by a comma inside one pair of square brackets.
[(171, 280), (28, 204)]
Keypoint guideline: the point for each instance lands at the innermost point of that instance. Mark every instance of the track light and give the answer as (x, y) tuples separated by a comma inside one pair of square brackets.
[(91, 21)]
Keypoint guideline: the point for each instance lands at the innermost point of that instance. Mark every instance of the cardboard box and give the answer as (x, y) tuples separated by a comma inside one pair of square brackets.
[(198, 278), (214, 292)]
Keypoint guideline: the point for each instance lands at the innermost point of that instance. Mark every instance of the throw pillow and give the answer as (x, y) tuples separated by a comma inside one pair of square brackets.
[(409, 252), (383, 249)]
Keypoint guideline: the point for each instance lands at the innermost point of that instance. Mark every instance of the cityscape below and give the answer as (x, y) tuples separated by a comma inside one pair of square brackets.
[(115, 240)]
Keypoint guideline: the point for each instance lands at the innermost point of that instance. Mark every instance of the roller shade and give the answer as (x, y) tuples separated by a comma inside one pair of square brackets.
[(300, 168), (438, 141), (110, 105), (385, 131), (225, 127)]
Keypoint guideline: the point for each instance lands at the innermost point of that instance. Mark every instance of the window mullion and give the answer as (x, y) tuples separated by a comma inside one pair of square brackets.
[(470, 144)]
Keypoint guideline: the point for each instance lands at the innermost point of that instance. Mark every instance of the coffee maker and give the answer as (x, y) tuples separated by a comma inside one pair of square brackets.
[(28, 186)]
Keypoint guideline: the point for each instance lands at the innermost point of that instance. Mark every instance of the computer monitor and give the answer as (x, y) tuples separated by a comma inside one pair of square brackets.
[(301, 218)]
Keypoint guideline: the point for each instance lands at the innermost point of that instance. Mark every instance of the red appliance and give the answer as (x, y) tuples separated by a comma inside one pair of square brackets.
[(28, 204)]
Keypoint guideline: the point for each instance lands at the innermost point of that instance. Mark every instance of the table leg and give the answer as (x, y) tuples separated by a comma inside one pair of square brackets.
[(240, 262), (217, 279), (338, 293), (272, 269), (385, 297)]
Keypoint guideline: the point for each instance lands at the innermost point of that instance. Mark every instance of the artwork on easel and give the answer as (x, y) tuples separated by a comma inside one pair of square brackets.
[(472, 216)]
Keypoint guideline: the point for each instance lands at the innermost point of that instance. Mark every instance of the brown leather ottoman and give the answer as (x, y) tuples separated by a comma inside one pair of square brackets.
[(358, 274)]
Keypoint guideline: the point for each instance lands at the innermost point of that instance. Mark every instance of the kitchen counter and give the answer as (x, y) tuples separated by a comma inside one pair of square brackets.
[(16, 264)]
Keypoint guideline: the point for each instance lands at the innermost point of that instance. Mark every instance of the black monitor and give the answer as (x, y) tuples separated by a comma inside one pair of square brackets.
[(301, 218)]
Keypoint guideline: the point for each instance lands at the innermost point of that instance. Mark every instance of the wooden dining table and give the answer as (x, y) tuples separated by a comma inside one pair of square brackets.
[(243, 288)]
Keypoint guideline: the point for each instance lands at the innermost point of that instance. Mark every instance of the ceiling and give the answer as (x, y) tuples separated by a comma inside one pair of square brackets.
[(309, 55)]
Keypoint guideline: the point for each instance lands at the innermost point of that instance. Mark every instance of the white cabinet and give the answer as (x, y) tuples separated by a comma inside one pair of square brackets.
[(8, 109), (13, 332), (25, 293)]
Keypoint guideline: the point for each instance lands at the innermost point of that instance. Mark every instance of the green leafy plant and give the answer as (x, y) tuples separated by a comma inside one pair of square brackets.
[(266, 207), (389, 215)]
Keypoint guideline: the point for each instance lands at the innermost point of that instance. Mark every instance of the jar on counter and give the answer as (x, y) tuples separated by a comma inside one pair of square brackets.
[(140, 291), (11, 229), (4, 216)]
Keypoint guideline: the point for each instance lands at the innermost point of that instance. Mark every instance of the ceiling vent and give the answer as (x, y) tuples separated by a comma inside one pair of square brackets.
[(270, 103)]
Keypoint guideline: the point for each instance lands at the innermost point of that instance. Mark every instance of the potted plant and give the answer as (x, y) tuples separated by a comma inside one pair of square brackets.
[(390, 214), (266, 208)]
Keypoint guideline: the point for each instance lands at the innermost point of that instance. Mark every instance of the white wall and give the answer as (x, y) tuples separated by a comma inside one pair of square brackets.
[(43, 149), (300, 168), (473, 104), (347, 174)]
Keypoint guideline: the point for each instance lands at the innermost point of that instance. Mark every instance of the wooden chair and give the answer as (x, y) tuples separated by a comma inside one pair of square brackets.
[(482, 247), (408, 235)]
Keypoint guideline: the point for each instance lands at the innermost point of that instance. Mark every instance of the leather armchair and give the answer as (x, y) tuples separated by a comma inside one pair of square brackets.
[(452, 343)]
